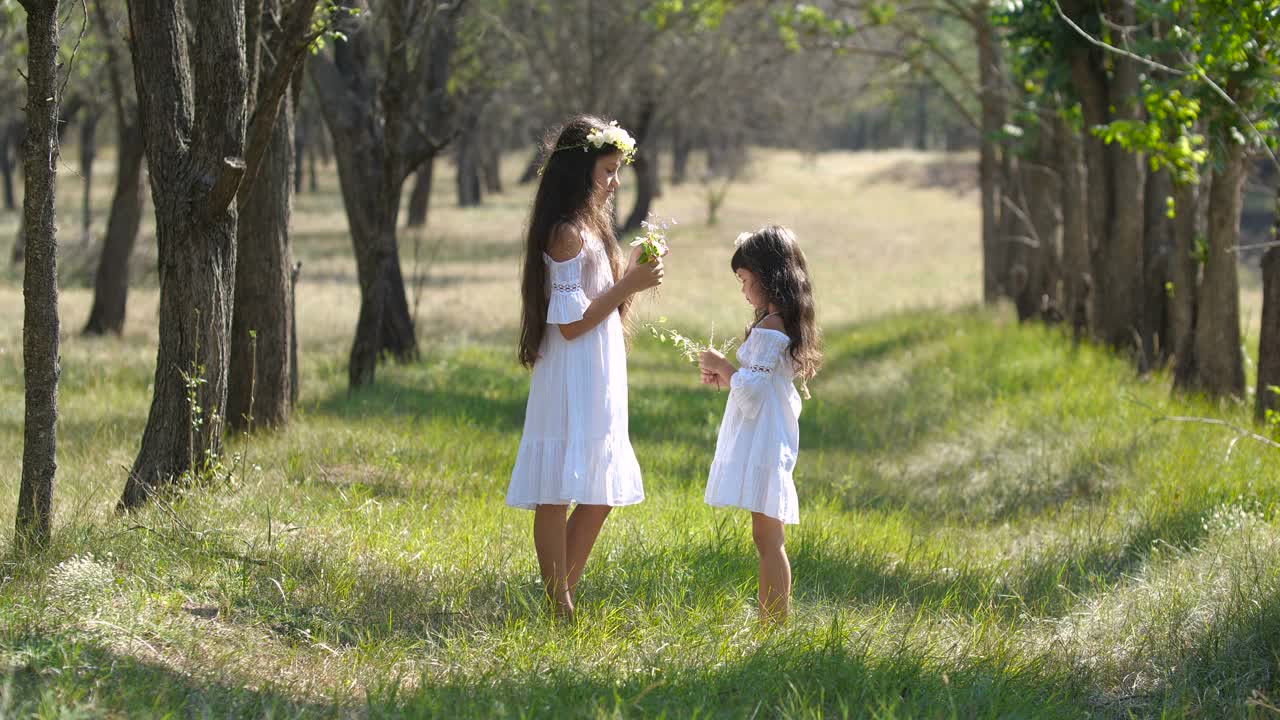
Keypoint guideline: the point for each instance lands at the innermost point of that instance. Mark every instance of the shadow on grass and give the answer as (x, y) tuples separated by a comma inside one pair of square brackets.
[(829, 572), (344, 603), (933, 386), (73, 677), (1008, 482), (829, 674), (833, 674), (473, 395)]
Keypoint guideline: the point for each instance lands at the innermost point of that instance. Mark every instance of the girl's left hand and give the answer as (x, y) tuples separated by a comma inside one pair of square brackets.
[(710, 378), (713, 362)]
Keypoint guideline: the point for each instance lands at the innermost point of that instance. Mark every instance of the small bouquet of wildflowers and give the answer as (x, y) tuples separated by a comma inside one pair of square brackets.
[(689, 348), (653, 243)]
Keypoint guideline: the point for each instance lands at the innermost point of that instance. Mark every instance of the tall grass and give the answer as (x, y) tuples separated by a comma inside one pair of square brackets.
[(994, 524)]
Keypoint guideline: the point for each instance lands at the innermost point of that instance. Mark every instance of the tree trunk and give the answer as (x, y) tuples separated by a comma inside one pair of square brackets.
[(922, 118), (1042, 201), (654, 169), (88, 153), (313, 184), (1076, 275), (299, 154), (491, 169), (1184, 273), (645, 189), (420, 197), (681, 148), (532, 168), (1268, 397), (371, 196), (7, 165), (194, 119), (40, 361), (468, 160), (990, 73), (1091, 86), (377, 145), (111, 284), (258, 388), (1157, 239), (19, 243), (1118, 269), (645, 168), (294, 272), (1219, 360)]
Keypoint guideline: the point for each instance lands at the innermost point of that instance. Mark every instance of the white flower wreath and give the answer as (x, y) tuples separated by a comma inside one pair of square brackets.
[(615, 136)]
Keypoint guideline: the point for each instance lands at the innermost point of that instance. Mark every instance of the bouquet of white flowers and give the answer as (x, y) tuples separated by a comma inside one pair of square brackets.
[(653, 243)]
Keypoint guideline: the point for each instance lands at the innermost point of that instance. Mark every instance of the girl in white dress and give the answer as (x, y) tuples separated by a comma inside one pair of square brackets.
[(575, 448), (760, 434)]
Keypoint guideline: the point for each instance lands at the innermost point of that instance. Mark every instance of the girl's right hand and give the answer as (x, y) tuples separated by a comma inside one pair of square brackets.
[(643, 277)]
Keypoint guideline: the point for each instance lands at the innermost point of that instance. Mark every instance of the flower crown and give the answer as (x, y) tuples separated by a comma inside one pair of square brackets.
[(617, 137), (610, 135)]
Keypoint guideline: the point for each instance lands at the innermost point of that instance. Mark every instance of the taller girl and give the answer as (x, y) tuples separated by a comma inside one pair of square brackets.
[(575, 291)]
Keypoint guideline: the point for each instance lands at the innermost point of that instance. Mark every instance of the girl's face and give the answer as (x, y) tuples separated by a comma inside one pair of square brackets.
[(604, 178), (751, 289)]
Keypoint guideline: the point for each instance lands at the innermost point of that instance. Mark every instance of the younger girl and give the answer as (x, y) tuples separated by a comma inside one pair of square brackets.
[(575, 447), (760, 433)]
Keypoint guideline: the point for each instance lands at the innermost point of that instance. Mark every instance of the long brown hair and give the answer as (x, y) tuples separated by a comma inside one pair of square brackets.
[(564, 196), (773, 255)]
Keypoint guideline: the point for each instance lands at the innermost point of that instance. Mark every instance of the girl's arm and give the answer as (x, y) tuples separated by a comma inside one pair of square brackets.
[(715, 366), (716, 369), (566, 243), (751, 383)]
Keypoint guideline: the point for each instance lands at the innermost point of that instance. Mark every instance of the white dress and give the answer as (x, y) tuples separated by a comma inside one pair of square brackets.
[(575, 447), (760, 433)]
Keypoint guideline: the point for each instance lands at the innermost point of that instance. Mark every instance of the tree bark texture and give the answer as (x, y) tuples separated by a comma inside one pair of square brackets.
[(1190, 205), (991, 95), (259, 392), (645, 168), (1119, 272), (420, 196), (377, 145), (1157, 240), (192, 103), (41, 366), (1268, 397), (88, 154), (111, 283), (1219, 359), (1076, 273)]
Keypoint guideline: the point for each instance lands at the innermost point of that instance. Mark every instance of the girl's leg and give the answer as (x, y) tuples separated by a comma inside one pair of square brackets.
[(584, 528), (775, 568), (549, 542)]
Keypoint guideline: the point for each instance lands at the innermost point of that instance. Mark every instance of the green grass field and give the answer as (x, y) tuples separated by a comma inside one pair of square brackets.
[(994, 523)]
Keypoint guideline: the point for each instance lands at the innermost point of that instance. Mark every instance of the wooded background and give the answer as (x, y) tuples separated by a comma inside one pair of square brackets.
[(1125, 155)]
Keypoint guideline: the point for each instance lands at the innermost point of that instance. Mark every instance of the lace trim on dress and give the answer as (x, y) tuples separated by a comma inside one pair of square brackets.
[(566, 287), (760, 368)]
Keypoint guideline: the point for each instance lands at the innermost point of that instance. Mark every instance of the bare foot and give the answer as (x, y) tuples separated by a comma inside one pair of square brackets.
[(562, 607)]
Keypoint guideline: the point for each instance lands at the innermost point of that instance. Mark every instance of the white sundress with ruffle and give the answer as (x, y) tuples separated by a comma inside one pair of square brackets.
[(575, 447), (760, 433)]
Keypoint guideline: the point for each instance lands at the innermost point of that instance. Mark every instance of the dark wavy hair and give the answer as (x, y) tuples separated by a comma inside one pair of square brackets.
[(564, 196), (773, 255)]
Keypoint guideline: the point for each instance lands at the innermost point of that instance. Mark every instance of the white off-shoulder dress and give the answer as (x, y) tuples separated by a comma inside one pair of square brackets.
[(575, 447), (760, 433)]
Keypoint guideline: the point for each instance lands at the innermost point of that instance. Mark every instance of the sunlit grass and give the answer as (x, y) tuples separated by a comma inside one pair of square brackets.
[(993, 523)]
